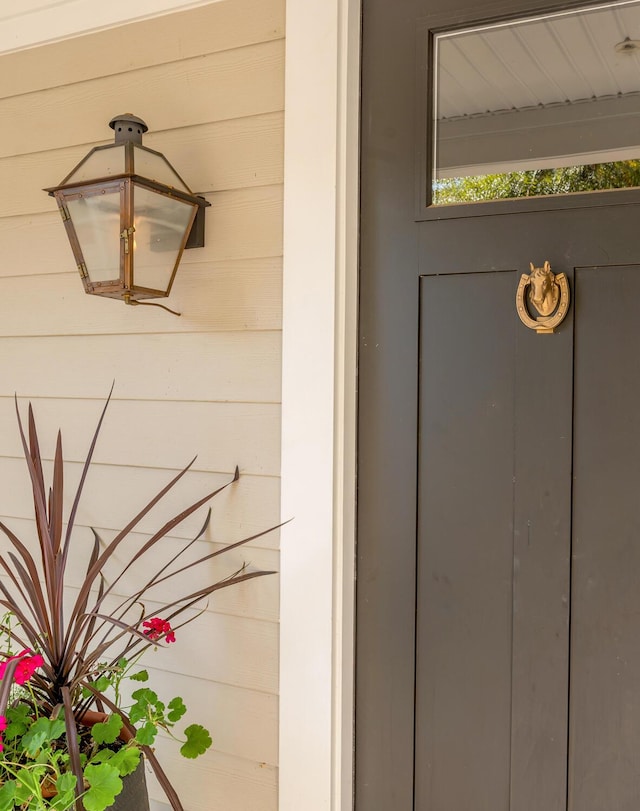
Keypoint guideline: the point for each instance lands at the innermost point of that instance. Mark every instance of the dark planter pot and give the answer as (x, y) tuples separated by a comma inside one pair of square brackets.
[(134, 795)]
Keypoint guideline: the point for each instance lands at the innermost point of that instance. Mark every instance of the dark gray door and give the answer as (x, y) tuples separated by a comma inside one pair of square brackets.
[(499, 540)]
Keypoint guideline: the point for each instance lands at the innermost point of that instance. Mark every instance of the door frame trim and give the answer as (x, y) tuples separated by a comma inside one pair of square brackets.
[(321, 208)]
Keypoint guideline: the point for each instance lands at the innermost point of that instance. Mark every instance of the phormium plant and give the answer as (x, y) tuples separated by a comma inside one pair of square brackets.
[(70, 661)]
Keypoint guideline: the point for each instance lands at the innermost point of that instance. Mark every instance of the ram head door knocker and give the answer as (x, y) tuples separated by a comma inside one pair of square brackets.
[(545, 292)]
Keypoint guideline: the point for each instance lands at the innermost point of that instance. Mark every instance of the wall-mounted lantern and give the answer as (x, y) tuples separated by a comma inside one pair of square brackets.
[(129, 215)]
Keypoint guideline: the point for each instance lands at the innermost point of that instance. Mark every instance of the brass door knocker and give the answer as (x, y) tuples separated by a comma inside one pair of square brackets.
[(547, 293)]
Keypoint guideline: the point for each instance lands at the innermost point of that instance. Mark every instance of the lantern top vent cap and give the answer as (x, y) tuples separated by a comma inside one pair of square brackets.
[(128, 127)]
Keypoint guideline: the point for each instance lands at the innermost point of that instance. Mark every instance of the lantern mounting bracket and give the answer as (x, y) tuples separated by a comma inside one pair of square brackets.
[(196, 235)]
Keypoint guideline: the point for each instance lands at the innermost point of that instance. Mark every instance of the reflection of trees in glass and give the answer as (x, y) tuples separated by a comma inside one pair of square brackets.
[(533, 182)]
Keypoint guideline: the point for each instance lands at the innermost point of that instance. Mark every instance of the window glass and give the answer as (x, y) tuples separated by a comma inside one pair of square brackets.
[(96, 220), (541, 106), (157, 167), (160, 226)]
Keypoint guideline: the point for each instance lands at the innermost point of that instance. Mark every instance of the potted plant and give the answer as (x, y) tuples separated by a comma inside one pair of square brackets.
[(71, 735)]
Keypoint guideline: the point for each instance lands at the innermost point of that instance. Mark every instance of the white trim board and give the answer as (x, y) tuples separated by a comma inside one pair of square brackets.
[(318, 404)]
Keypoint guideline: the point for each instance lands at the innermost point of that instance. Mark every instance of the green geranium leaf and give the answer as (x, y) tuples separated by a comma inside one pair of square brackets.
[(101, 684), (42, 731), (146, 735), (66, 781), (138, 712), (104, 786), (198, 741), (141, 675), (28, 782), (19, 712), (43, 755), (176, 709), (107, 731), (126, 760), (7, 795), (146, 700), (65, 786), (102, 756), (24, 788), (145, 695), (122, 663), (18, 721)]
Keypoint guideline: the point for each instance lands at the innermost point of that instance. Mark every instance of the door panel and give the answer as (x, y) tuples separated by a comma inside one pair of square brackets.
[(605, 650), (493, 550), (465, 548)]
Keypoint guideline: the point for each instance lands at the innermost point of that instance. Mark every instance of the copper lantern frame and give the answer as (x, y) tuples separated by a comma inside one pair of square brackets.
[(128, 136)]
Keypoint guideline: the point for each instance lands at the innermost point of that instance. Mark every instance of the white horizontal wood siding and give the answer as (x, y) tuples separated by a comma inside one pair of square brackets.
[(39, 21), (209, 81)]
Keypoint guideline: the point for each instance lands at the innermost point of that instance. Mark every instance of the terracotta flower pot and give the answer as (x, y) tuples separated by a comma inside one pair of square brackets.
[(91, 717)]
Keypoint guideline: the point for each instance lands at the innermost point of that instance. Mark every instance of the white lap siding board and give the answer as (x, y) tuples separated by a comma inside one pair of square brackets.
[(209, 83), (33, 22)]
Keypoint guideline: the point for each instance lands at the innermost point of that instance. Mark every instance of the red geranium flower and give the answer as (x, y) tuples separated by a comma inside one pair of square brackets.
[(26, 667), (156, 627)]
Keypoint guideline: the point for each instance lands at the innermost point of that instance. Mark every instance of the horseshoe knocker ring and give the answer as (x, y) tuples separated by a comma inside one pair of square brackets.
[(545, 292)]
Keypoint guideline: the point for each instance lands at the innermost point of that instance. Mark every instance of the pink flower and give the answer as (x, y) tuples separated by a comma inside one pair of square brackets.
[(3, 723), (156, 627), (27, 666)]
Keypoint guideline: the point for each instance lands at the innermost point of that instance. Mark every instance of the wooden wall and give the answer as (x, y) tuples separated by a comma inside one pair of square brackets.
[(209, 83)]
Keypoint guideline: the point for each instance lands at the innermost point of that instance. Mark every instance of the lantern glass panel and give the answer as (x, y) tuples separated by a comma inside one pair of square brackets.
[(156, 167), (102, 162), (96, 220), (161, 223)]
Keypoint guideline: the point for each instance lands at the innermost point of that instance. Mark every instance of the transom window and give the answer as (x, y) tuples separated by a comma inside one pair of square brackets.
[(548, 105)]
